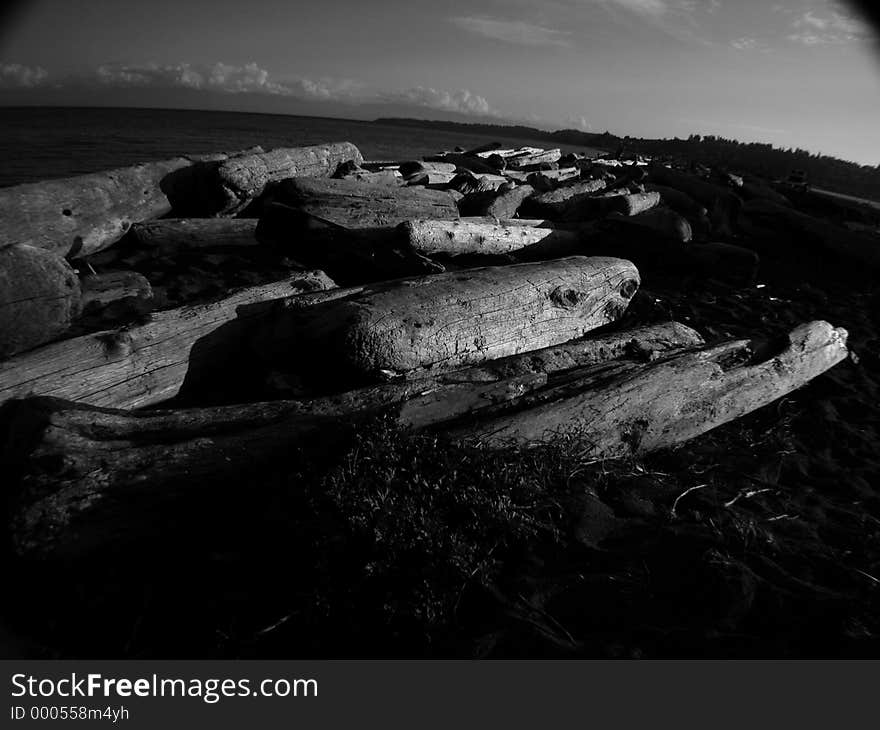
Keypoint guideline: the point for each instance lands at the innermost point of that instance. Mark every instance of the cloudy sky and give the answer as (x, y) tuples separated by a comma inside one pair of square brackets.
[(794, 72)]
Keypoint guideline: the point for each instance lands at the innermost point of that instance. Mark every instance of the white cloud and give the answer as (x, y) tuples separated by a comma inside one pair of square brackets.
[(744, 44), (512, 31), (251, 78), (830, 27), (218, 77), (461, 102), (17, 76)]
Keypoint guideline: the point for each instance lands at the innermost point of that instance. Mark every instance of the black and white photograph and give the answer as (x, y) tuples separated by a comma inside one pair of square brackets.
[(422, 329)]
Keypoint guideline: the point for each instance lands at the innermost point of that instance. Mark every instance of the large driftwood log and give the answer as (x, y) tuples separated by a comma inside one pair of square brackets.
[(531, 157), (451, 320), (172, 235), (39, 297), (486, 236), (79, 215), (354, 205), (90, 477), (623, 409), (146, 363), (241, 179)]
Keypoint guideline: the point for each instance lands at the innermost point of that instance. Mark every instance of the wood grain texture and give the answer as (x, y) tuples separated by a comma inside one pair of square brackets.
[(624, 409), (241, 179), (76, 216), (482, 235), (145, 363), (451, 320), (356, 205)]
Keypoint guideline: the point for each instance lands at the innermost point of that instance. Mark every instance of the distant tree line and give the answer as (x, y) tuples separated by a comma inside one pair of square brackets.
[(757, 158)]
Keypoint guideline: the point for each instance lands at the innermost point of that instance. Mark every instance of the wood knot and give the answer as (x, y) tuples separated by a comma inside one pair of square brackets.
[(566, 298), (628, 288)]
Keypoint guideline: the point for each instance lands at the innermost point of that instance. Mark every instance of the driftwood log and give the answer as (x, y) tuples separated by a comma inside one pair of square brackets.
[(238, 180), (486, 236), (451, 320), (173, 235), (356, 205), (39, 297), (89, 477), (532, 157), (625, 408), (77, 216), (147, 363)]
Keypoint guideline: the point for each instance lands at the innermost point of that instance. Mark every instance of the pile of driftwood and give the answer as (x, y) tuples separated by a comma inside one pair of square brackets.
[(261, 299)]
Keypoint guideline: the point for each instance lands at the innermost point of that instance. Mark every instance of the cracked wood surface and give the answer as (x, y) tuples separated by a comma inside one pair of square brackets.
[(451, 320), (147, 363)]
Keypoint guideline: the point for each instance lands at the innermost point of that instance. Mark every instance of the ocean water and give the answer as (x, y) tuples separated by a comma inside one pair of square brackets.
[(39, 143)]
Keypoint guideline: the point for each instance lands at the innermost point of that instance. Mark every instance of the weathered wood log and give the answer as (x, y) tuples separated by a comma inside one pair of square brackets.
[(466, 183), (498, 204), (241, 179), (451, 320), (626, 409), (348, 255), (146, 363), (484, 236), (528, 158), (831, 240), (173, 235), (71, 497), (79, 215), (39, 297), (354, 205), (555, 203), (101, 290), (623, 204)]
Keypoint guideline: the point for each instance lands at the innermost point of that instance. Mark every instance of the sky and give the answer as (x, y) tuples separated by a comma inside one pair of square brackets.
[(795, 73)]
